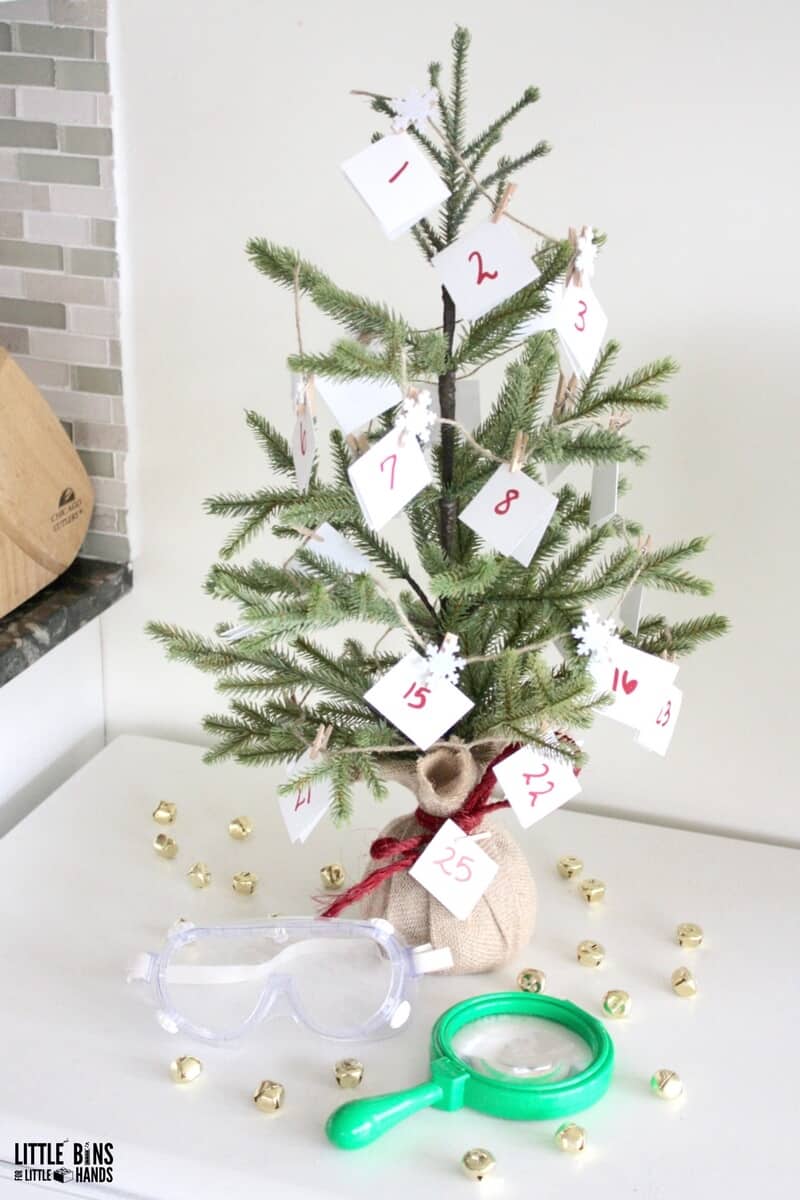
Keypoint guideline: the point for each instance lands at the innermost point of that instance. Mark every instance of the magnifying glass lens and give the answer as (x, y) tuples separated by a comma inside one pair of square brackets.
[(521, 1048)]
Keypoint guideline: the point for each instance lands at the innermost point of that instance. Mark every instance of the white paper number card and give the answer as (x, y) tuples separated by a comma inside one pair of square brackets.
[(395, 180), (422, 708), (388, 476), (354, 402), (581, 326), (483, 267), (636, 682), (304, 444), (605, 493), (455, 870), (656, 733), (303, 809), (328, 543), (511, 512), (534, 785)]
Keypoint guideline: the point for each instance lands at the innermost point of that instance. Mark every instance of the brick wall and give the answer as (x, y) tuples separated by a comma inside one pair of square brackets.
[(59, 293)]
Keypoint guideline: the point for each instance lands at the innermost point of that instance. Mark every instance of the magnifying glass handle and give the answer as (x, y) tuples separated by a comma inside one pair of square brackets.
[(360, 1122)]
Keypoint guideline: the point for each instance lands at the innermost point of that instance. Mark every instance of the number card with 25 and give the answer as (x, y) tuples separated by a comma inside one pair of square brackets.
[(388, 476), (455, 870), (534, 785), (396, 181), (511, 512), (484, 267), (303, 809), (423, 709)]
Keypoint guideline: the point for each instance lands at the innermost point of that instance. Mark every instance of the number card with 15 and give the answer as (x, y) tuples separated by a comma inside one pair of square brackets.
[(421, 708)]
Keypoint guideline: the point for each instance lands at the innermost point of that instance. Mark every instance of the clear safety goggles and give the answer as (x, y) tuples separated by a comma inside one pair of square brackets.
[(342, 979)]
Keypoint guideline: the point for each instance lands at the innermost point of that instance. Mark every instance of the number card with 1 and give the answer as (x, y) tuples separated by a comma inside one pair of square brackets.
[(303, 809), (304, 445), (354, 402), (388, 476), (581, 326), (511, 512), (455, 870), (328, 543), (396, 181), (535, 785), (484, 267), (636, 682), (420, 707), (656, 733)]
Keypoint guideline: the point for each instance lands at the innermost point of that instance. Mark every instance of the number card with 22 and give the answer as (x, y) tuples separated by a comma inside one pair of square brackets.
[(484, 267), (511, 512), (396, 181), (455, 870), (421, 708), (303, 809), (388, 476), (535, 785)]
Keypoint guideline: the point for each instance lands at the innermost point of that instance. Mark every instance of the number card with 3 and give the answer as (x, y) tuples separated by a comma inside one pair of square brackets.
[(535, 785), (581, 326), (304, 444), (656, 733), (455, 870), (303, 809), (636, 682), (484, 267), (511, 512), (396, 181), (421, 708), (388, 476), (354, 402)]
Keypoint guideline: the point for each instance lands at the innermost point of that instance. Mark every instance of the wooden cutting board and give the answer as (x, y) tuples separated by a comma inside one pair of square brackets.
[(46, 498)]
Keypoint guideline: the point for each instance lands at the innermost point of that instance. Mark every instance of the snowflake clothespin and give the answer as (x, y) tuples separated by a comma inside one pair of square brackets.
[(413, 109), (597, 638), (444, 662), (585, 252), (416, 415)]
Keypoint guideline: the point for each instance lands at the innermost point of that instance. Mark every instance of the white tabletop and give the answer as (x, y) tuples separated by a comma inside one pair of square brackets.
[(81, 891)]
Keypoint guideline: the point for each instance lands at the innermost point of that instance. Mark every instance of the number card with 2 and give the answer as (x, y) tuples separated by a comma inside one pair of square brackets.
[(511, 512), (636, 682), (303, 809), (421, 708), (484, 267), (581, 326), (354, 402), (388, 476), (304, 445), (396, 181), (656, 733), (535, 785), (455, 870)]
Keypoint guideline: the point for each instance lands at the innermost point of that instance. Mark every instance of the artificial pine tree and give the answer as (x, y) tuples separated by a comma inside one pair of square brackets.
[(282, 684)]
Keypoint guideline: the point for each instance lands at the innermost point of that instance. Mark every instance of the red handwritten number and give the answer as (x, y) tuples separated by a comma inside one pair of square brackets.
[(628, 685), (302, 798), (502, 507), (420, 693), (482, 274), (581, 316), (397, 174), (529, 775), (461, 865), (303, 439), (663, 718), (393, 460)]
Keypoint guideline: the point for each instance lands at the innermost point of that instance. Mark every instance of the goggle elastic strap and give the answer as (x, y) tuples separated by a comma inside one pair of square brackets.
[(427, 960)]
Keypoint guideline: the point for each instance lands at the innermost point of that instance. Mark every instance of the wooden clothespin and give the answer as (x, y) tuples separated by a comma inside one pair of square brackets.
[(321, 739), (564, 393), (309, 535), (503, 202), (617, 423), (519, 451), (645, 545), (307, 401), (358, 445)]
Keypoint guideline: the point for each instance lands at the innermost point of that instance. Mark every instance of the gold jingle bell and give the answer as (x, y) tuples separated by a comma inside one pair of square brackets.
[(349, 1072), (531, 980), (165, 812), (569, 866), (244, 882), (240, 828), (593, 890), (683, 982), (617, 1004), (478, 1163), (690, 936), (571, 1138), (591, 954), (332, 876), (199, 875), (667, 1084), (166, 846), (268, 1096), (185, 1069)]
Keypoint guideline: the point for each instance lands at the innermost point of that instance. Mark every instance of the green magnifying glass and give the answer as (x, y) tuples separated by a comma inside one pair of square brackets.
[(509, 1054)]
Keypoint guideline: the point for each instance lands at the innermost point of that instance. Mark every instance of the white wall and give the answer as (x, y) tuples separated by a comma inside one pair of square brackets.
[(51, 723), (673, 129)]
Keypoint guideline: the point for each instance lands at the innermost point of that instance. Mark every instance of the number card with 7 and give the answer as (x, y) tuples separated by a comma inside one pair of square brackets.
[(303, 809), (534, 785), (421, 708), (484, 267), (455, 870), (396, 181), (388, 476), (511, 512)]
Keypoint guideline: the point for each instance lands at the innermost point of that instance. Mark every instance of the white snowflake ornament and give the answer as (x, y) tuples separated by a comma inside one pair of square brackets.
[(597, 638), (444, 662), (417, 416), (585, 252), (413, 109)]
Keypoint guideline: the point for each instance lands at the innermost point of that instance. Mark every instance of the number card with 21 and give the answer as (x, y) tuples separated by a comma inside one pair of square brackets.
[(303, 809)]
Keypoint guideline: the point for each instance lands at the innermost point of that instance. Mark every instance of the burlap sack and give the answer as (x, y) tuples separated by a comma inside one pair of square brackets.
[(502, 921)]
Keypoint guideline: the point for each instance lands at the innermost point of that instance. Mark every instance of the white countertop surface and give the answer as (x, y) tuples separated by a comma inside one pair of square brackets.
[(81, 891)]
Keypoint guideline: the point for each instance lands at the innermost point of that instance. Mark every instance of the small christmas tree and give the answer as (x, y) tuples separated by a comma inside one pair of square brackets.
[(283, 686)]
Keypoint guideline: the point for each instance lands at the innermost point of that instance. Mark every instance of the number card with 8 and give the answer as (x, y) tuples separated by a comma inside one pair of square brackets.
[(303, 809), (388, 476), (455, 870), (396, 181), (421, 708), (484, 267), (511, 512), (535, 785)]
